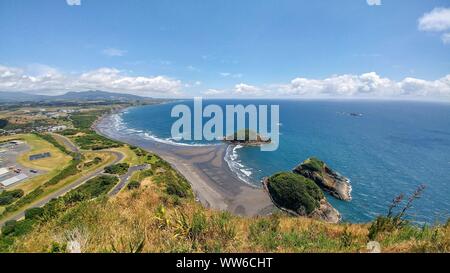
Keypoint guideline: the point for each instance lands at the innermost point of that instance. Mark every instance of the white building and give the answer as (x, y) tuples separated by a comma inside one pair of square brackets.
[(13, 180)]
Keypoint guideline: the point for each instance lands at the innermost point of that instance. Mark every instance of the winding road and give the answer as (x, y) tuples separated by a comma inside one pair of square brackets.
[(124, 178), (62, 191)]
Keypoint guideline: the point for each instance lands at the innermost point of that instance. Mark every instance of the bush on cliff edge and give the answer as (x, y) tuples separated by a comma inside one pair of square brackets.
[(295, 192)]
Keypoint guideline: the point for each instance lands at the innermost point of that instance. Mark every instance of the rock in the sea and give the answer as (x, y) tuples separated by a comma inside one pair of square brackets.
[(246, 137), (300, 196), (329, 180)]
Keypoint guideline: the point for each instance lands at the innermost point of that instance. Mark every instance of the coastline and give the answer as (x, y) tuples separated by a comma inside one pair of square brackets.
[(214, 184)]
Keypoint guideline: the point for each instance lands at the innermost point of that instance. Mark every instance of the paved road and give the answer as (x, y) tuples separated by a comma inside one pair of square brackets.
[(63, 190), (124, 178)]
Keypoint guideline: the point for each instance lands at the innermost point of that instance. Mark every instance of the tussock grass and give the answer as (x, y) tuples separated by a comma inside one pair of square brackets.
[(162, 216), (149, 219)]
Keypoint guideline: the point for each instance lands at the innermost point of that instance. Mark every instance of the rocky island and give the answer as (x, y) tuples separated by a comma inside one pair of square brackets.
[(329, 180), (300, 192), (246, 137), (300, 196)]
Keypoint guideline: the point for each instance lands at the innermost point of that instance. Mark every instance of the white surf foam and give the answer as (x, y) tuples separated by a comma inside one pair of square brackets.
[(120, 126), (235, 164)]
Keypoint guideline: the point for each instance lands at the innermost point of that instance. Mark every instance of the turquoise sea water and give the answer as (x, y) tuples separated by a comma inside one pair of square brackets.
[(391, 149)]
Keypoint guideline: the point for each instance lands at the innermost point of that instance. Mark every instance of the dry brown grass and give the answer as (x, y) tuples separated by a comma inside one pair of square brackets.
[(150, 218)]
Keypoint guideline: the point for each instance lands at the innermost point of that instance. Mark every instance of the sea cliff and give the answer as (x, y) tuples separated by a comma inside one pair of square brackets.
[(300, 196), (329, 180)]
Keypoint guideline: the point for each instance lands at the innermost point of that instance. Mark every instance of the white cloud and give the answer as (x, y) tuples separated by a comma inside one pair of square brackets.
[(114, 52), (73, 2), (214, 92), (436, 20), (374, 2), (446, 38), (368, 85), (245, 90), (48, 80), (43, 79)]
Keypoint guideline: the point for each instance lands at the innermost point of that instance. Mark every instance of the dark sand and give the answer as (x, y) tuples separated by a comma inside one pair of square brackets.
[(212, 181)]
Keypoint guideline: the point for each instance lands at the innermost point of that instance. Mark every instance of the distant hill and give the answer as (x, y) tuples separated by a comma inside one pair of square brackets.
[(70, 96), (19, 97), (98, 95)]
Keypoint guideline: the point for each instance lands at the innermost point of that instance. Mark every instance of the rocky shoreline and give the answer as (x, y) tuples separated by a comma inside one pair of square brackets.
[(302, 188), (325, 212), (329, 180), (246, 137)]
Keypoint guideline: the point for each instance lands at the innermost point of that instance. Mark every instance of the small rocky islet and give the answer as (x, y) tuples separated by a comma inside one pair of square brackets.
[(300, 192), (246, 137)]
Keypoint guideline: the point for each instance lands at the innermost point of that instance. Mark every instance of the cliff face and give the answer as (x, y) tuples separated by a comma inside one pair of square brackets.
[(326, 212), (329, 180)]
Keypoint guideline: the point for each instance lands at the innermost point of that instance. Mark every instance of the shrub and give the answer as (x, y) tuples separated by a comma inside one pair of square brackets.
[(394, 220), (176, 184), (95, 161), (58, 247), (74, 197), (175, 187), (17, 228), (120, 168), (198, 225), (134, 185), (69, 132), (27, 199), (9, 227), (34, 213), (96, 186), (223, 226), (295, 192), (9, 197)]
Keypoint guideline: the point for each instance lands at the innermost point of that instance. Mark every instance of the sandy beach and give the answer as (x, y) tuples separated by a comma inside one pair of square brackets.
[(212, 181)]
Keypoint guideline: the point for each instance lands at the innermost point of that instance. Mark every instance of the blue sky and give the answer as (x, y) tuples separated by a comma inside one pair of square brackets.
[(227, 48)]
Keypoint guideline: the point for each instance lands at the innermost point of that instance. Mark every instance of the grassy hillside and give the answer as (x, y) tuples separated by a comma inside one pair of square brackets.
[(161, 215)]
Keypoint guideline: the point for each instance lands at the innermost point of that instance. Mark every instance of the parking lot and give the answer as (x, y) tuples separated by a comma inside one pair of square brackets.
[(12, 172)]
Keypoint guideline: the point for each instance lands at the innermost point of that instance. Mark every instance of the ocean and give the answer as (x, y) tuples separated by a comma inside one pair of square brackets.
[(392, 148)]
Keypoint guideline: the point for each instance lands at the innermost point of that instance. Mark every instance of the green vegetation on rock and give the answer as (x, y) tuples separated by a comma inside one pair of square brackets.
[(313, 164), (294, 192)]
